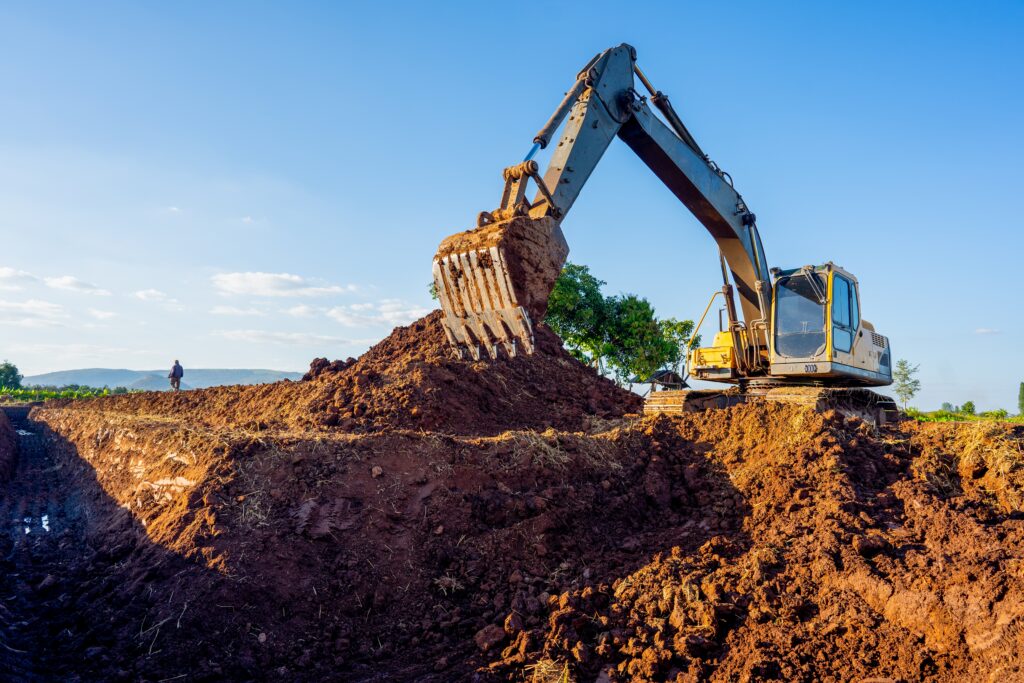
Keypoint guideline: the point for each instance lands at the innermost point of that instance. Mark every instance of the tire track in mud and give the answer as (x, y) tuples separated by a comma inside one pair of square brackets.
[(41, 533)]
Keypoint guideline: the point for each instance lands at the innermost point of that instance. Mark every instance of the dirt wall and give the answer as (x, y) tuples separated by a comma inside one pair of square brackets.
[(755, 543), (8, 447)]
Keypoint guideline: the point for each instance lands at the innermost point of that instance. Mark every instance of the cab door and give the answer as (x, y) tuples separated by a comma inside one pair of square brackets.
[(845, 320)]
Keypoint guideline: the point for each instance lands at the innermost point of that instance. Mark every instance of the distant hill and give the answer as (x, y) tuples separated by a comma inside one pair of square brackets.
[(156, 380)]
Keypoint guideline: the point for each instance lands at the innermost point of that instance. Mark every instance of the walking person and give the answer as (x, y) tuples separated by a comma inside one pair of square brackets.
[(177, 372)]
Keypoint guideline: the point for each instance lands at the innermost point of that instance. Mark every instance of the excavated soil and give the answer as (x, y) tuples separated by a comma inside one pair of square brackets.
[(408, 381), (548, 542)]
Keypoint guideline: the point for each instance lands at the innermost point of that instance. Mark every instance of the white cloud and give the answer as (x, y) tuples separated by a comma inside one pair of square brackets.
[(247, 220), (289, 338), (152, 295), (156, 296), (234, 310), (987, 330), (31, 313), (101, 315), (386, 312), (73, 284), (398, 312), (301, 311), (12, 279), (273, 284), (173, 209)]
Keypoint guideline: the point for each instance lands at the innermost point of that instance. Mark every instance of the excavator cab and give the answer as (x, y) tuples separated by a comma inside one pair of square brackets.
[(816, 335)]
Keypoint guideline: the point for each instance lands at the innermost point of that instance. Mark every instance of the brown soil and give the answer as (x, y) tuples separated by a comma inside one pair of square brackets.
[(408, 381), (759, 542)]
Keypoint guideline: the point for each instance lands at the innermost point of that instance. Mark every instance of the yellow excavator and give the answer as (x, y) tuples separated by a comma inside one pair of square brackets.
[(796, 335)]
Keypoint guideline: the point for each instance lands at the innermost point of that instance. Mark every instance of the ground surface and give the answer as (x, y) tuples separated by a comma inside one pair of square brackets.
[(322, 530)]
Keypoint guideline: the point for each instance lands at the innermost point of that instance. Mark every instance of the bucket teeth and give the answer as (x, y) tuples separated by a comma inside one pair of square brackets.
[(494, 281)]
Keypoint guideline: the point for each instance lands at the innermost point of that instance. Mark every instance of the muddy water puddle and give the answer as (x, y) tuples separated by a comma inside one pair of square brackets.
[(36, 525)]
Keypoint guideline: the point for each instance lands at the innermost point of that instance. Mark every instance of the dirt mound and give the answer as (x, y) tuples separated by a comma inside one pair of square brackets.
[(852, 559), (407, 381), (407, 516), (760, 542)]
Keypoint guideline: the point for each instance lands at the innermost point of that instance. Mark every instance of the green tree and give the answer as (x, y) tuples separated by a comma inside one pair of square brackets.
[(679, 332), (904, 384), (618, 333), (10, 378), (968, 408), (947, 407), (579, 313), (636, 341), (1020, 400)]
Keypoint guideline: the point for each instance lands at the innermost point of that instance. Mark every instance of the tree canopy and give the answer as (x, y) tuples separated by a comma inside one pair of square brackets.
[(620, 333), (10, 378), (904, 384)]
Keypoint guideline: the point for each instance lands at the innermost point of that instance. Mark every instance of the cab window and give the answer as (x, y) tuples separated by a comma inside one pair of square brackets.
[(842, 313), (799, 316)]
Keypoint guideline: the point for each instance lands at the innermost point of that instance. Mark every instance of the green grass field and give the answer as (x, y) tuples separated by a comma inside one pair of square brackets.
[(949, 416), (34, 394)]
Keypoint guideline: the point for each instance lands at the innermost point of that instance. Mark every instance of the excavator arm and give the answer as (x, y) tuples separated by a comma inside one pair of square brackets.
[(493, 281)]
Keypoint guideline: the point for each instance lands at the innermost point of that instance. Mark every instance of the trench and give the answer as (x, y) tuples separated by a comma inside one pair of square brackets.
[(42, 537)]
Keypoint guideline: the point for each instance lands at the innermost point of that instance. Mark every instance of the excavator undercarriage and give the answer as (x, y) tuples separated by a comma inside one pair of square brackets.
[(848, 401), (794, 335)]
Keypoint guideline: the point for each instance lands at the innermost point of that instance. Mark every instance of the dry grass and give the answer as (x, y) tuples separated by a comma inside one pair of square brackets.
[(546, 449), (449, 584), (939, 470), (982, 455), (548, 671)]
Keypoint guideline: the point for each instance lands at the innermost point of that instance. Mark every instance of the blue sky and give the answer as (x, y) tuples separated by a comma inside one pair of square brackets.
[(253, 185)]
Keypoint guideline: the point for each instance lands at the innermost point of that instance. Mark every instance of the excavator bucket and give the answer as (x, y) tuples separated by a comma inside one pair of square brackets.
[(494, 282)]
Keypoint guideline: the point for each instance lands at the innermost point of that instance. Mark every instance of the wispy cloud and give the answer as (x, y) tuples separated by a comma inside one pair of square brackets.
[(234, 310), (248, 220), (987, 330), (162, 298), (274, 284), (31, 313), (172, 209), (300, 311), (288, 338), (73, 284), (12, 279), (101, 315), (386, 312)]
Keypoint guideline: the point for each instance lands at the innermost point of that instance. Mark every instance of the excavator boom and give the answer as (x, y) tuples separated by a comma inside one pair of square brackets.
[(494, 281)]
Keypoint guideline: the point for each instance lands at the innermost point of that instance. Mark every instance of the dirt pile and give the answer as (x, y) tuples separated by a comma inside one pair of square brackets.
[(852, 557), (761, 542), (407, 381), (405, 516)]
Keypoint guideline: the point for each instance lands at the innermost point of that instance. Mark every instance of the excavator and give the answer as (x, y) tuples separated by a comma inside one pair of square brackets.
[(793, 335)]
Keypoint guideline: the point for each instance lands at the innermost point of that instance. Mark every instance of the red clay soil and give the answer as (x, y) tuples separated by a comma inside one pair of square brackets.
[(407, 381), (759, 542)]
